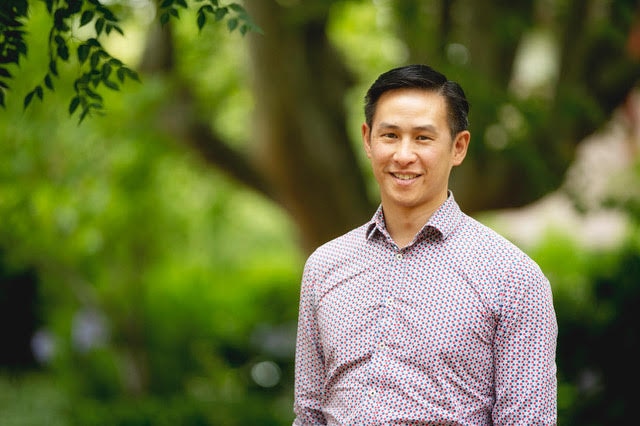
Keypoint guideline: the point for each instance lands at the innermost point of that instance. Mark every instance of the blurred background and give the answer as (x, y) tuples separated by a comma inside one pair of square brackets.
[(150, 256)]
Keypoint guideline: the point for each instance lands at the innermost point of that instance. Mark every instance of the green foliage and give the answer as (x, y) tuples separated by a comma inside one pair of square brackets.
[(234, 13), (193, 281), (596, 295), (95, 63), (12, 44), (97, 67), (34, 399)]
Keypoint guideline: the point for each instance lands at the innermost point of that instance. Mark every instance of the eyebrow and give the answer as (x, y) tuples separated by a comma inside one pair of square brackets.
[(426, 127)]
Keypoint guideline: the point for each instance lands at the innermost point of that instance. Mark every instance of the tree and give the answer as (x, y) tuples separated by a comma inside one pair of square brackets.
[(302, 156), (97, 66)]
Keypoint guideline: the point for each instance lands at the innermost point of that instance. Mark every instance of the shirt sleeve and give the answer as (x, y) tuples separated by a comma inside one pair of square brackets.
[(309, 364), (525, 350)]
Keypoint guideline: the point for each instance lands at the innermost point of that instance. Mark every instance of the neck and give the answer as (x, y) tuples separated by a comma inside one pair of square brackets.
[(404, 223)]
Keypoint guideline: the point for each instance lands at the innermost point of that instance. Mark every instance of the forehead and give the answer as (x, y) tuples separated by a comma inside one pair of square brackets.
[(411, 103)]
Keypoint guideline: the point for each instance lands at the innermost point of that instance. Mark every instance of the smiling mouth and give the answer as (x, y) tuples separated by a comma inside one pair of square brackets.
[(404, 176)]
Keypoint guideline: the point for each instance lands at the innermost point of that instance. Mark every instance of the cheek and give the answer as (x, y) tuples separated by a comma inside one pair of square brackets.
[(376, 155)]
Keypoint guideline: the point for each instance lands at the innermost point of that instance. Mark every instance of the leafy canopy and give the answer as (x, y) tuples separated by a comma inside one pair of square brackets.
[(97, 67)]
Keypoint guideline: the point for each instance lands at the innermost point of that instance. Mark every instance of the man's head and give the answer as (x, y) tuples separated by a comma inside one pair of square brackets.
[(414, 134), (421, 77)]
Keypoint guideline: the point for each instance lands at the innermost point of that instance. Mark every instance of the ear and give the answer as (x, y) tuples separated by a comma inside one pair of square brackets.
[(366, 139), (460, 145)]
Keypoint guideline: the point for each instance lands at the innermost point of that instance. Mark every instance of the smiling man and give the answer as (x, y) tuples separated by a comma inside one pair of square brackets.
[(422, 315)]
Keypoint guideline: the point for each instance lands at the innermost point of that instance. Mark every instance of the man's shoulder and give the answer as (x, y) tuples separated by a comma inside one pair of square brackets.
[(345, 243), (341, 249), (489, 241)]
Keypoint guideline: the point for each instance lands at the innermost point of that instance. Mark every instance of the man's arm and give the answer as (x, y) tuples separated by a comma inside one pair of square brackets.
[(525, 350), (309, 371)]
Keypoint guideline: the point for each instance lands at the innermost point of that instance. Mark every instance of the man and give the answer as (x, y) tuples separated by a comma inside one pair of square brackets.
[(422, 315)]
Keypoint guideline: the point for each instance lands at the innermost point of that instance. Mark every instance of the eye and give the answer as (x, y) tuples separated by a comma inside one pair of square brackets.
[(423, 138), (389, 135)]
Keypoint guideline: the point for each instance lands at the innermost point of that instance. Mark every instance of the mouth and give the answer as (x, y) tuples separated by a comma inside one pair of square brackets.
[(405, 176)]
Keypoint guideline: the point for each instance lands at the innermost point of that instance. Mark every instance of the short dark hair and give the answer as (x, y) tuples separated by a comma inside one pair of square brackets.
[(421, 77)]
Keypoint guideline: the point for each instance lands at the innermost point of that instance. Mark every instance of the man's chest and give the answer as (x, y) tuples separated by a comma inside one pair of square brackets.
[(419, 311)]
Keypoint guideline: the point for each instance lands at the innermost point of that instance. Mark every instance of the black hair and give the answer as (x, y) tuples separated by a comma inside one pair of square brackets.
[(421, 77)]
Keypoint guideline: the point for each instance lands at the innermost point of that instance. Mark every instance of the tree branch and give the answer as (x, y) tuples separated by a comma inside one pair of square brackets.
[(180, 118), (216, 152)]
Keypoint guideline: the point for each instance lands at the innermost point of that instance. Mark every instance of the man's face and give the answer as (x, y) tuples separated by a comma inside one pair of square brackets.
[(411, 150)]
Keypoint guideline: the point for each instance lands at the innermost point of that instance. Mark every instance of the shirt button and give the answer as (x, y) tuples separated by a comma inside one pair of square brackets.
[(382, 346), (389, 301), (399, 256), (372, 392)]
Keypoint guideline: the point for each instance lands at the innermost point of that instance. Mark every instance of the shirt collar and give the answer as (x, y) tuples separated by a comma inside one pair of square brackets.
[(443, 221)]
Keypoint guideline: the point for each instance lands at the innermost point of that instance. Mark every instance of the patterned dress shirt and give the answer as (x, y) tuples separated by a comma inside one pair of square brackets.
[(458, 328)]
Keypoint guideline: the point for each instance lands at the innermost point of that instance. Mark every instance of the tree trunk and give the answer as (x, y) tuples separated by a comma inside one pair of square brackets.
[(300, 127)]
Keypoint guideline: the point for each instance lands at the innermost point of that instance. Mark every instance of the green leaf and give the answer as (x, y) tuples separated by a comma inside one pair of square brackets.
[(232, 24), (87, 16), (99, 26), (95, 58), (236, 8), (5, 73), (93, 95), (3, 85), (164, 18), (2, 99), (83, 52), (58, 18), (73, 105), (22, 48), (74, 6), (12, 57), (166, 4), (111, 85), (124, 72), (39, 91), (202, 19), (206, 8), (53, 67), (28, 98), (63, 52), (83, 80), (108, 14), (182, 3), (106, 71), (221, 13), (131, 74), (85, 111), (48, 82)]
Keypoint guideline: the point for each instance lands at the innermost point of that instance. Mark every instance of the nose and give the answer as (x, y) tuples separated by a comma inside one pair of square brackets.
[(405, 153)]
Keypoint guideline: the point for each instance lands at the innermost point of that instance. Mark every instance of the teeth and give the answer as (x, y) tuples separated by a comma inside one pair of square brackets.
[(404, 176)]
